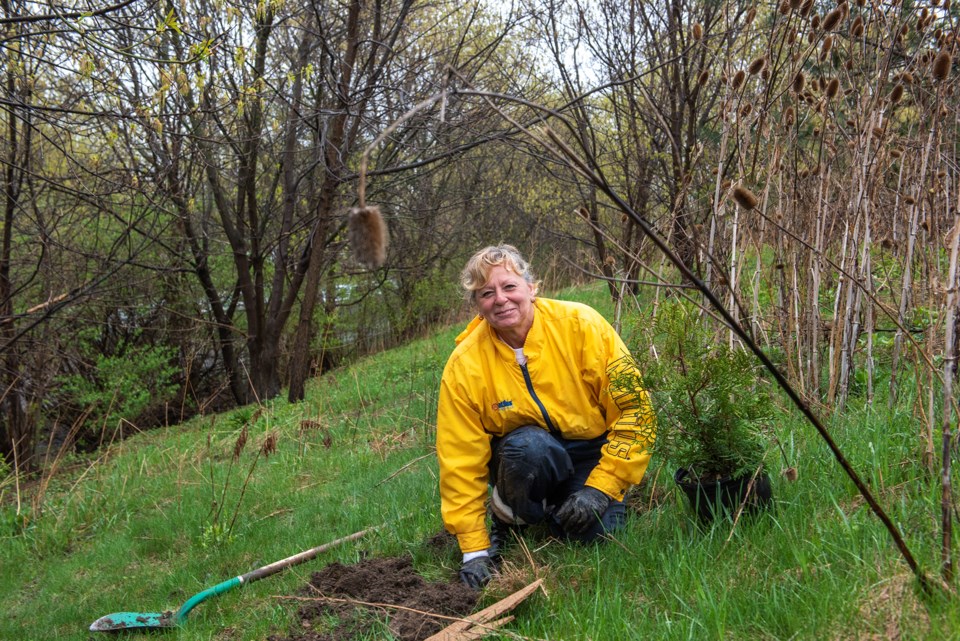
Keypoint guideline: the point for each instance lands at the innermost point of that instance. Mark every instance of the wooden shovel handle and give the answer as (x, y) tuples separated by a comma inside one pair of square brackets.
[(306, 555)]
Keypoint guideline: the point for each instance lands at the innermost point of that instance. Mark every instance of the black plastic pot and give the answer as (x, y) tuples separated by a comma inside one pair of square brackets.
[(713, 498)]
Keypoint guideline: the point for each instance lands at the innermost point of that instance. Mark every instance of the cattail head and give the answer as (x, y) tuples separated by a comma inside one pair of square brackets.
[(367, 233), (833, 87), (697, 31), (744, 197), (941, 65), (832, 19), (896, 94), (704, 76), (757, 66), (751, 14)]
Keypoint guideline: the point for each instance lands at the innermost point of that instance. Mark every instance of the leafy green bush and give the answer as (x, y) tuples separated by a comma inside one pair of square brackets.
[(711, 405), (123, 385)]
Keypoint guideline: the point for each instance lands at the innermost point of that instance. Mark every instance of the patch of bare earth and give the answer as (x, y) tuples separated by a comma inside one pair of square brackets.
[(343, 601)]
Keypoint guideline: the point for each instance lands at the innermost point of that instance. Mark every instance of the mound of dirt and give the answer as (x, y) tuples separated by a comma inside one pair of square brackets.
[(358, 598)]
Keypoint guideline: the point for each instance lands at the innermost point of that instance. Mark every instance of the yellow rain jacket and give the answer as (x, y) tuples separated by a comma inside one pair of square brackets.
[(572, 352)]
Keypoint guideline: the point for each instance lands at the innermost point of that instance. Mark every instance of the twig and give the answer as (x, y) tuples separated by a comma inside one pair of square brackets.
[(416, 460)]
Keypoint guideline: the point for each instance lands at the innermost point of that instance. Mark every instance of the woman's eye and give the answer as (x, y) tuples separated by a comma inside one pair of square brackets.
[(486, 294), (510, 286)]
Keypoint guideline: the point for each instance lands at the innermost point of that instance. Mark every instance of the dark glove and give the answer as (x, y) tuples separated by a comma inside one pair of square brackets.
[(477, 572), (582, 509)]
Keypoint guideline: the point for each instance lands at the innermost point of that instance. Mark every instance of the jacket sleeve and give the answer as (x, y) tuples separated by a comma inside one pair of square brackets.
[(631, 425), (463, 451)]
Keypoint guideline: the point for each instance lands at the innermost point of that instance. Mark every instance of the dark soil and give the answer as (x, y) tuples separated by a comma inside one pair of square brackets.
[(385, 582)]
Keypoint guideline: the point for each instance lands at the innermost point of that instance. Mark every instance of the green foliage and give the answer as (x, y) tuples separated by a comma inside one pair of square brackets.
[(123, 385), (711, 406)]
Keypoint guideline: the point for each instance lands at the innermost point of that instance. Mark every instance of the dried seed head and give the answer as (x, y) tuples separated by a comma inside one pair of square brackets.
[(798, 81), (757, 65), (816, 132), (803, 173), (832, 19), (886, 243), (738, 79), (896, 94), (765, 74), (795, 4), (791, 37), (878, 132), (610, 260), (784, 7), (697, 31), (827, 45), (725, 185), (946, 5), (624, 218), (744, 197), (814, 86), (269, 445), (745, 110), (750, 16), (367, 234), (832, 88), (907, 77), (941, 65), (806, 8), (790, 474), (240, 443), (856, 29), (895, 153), (788, 117), (812, 34), (851, 123), (704, 76), (910, 200)]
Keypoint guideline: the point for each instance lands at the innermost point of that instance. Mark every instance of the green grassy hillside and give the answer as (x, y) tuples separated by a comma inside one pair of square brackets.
[(158, 517)]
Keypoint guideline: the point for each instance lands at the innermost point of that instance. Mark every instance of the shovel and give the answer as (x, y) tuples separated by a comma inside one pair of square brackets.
[(171, 619)]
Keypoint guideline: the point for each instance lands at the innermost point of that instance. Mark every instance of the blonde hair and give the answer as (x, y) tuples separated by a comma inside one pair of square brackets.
[(477, 271)]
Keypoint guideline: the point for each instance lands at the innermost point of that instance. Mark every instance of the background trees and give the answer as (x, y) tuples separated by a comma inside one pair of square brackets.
[(176, 177)]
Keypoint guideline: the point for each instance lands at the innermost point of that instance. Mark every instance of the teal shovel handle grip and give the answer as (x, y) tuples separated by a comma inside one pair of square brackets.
[(200, 597)]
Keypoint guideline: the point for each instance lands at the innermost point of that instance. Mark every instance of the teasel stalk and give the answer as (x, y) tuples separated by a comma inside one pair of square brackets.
[(906, 285), (947, 563)]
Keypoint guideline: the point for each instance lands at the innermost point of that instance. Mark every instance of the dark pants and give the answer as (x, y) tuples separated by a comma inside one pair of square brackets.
[(534, 471)]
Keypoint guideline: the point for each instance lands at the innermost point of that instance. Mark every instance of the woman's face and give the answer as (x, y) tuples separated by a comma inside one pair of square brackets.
[(506, 302)]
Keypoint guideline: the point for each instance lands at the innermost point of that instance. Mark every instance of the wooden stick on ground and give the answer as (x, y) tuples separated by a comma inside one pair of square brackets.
[(476, 625)]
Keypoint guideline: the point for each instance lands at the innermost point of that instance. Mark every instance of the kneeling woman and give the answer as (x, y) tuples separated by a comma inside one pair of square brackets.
[(526, 407)]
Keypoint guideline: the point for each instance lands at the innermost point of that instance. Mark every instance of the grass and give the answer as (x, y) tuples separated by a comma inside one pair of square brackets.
[(147, 524)]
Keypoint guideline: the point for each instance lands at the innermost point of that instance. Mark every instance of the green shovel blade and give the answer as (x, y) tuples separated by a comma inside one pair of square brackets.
[(133, 620)]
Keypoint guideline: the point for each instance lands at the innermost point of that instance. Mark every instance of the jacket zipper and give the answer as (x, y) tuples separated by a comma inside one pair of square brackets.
[(536, 399)]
